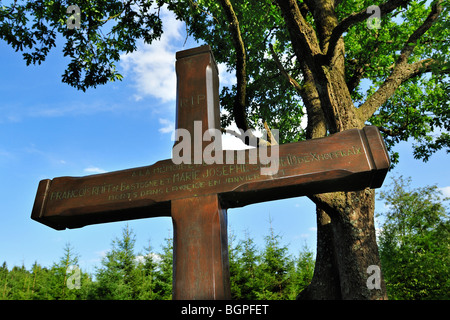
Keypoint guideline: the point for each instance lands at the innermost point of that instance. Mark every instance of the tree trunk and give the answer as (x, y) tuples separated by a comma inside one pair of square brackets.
[(346, 247), (325, 283), (347, 262), (346, 241)]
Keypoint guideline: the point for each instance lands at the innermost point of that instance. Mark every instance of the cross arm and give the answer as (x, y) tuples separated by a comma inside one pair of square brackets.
[(346, 161)]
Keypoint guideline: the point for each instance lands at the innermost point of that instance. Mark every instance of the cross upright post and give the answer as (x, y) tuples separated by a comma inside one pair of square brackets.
[(196, 187), (200, 269)]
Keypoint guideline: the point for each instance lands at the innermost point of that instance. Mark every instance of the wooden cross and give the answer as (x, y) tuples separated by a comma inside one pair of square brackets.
[(197, 195)]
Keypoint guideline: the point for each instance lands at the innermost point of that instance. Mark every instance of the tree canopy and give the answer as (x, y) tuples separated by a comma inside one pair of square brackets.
[(396, 71)]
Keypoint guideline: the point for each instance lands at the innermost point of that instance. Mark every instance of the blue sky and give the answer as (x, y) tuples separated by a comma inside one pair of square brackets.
[(48, 129)]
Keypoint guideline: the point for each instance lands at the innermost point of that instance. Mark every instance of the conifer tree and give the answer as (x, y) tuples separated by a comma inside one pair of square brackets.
[(61, 272), (41, 276), (146, 274), (304, 270), (275, 266), (164, 274), (245, 283), (4, 289), (116, 277), (233, 253)]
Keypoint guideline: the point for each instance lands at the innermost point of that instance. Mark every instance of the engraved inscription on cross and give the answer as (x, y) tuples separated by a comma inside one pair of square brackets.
[(197, 194)]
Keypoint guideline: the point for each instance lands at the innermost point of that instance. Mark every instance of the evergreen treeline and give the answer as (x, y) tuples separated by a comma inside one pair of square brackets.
[(413, 242), (268, 273)]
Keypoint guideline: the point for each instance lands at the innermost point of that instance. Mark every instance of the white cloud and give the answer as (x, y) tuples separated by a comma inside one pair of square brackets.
[(167, 126), (378, 232), (226, 78), (445, 191), (229, 141), (305, 235), (301, 236), (70, 106), (14, 118), (94, 170), (152, 67)]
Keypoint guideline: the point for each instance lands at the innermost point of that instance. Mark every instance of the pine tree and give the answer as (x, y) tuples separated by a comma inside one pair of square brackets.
[(116, 278), (233, 256), (245, 259), (164, 274), (275, 265), (60, 273), (146, 273), (4, 289), (17, 283), (40, 275), (303, 273)]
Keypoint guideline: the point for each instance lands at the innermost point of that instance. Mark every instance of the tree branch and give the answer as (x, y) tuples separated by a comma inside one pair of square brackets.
[(402, 71), (241, 60), (308, 52), (302, 34), (358, 73), (195, 5), (409, 46), (325, 19), (304, 9), (283, 71), (400, 74), (353, 19), (394, 133)]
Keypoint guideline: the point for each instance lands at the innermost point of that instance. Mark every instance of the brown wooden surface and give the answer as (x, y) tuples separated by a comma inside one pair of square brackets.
[(201, 269), (350, 160), (197, 94)]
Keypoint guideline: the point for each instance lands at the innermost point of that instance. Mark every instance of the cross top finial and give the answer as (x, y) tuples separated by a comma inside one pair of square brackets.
[(198, 97)]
